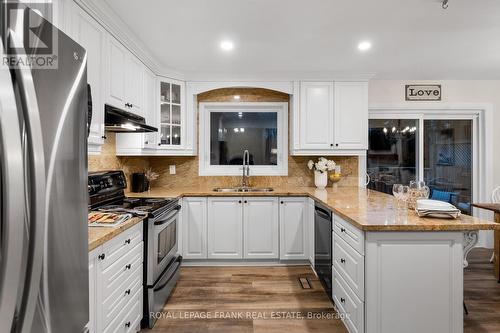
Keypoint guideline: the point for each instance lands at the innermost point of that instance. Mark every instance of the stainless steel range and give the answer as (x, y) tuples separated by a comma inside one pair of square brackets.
[(161, 261)]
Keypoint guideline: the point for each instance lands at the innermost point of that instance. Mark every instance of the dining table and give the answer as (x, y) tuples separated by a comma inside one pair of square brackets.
[(495, 208)]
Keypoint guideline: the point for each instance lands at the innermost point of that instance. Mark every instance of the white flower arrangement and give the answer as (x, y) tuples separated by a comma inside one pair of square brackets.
[(322, 165)]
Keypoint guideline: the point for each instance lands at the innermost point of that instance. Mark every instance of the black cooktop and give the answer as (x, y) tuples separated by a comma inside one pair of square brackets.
[(148, 205)]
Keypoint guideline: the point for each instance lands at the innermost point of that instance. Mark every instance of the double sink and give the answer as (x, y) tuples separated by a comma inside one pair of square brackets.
[(242, 189)]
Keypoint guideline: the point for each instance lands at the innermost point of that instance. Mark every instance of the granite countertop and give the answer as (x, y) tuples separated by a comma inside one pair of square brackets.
[(100, 235), (366, 209)]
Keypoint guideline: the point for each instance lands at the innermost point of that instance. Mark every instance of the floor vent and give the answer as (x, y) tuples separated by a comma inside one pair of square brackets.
[(304, 283)]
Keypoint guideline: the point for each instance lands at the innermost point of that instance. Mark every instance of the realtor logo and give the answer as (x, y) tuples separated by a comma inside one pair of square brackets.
[(31, 39)]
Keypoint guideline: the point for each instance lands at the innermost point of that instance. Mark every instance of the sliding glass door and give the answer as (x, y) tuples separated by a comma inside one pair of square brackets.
[(437, 148)]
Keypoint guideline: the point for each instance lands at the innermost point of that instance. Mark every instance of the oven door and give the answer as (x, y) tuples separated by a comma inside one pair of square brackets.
[(162, 243)]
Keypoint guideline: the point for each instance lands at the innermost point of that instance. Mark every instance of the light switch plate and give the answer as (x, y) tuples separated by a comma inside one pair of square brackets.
[(172, 169)]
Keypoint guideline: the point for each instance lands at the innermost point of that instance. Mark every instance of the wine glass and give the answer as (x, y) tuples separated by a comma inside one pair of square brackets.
[(396, 191), (404, 195)]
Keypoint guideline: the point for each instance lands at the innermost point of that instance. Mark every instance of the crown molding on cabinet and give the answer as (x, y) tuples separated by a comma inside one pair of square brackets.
[(101, 12)]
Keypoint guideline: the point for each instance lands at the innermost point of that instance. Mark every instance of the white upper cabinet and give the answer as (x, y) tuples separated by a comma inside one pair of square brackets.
[(330, 118), (260, 228), (225, 228), (351, 115), (316, 116), (150, 109), (126, 78), (90, 34), (171, 114)]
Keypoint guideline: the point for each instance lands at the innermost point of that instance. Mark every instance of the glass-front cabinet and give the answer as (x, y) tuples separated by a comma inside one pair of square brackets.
[(171, 114)]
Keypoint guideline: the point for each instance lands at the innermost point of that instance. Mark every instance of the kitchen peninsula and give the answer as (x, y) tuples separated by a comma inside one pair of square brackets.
[(382, 258)]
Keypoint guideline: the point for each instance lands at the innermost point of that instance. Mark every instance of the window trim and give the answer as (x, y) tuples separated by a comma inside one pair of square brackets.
[(205, 108)]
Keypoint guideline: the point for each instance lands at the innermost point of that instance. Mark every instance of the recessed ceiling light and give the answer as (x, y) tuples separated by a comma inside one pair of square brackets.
[(364, 46), (237, 97), (226, 45)]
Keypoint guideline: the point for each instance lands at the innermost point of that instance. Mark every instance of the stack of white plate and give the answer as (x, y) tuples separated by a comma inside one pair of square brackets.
[(435, 208)]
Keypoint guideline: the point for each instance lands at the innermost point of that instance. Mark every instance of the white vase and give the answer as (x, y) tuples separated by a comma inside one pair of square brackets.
[(320, 179)]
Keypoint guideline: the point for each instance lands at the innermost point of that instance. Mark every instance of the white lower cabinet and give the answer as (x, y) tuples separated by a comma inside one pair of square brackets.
[(225, 228), (260, 228), (194, 228), (116, 277), (293, 228), (246, 228)]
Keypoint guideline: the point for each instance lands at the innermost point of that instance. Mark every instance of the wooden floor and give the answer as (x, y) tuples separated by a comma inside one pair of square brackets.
[(261, 294), (481, 294)]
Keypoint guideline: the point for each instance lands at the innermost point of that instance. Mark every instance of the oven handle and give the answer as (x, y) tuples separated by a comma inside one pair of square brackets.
[(163, 221), (178, 263)]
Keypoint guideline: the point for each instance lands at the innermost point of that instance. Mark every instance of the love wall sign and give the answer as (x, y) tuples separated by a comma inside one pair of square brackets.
[(423, 92)]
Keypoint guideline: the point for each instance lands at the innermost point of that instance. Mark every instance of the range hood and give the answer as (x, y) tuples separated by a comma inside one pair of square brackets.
[(117, 120)]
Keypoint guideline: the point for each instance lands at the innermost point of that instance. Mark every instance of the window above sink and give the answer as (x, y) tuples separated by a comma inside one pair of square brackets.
[(228, 129)]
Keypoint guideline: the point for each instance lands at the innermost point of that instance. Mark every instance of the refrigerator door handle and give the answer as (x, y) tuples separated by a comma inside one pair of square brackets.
[(11, 164), (37, 210)]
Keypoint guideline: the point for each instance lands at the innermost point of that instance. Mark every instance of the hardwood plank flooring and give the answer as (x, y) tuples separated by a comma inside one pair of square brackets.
[(481, 294), (261, 294), (248, 299)]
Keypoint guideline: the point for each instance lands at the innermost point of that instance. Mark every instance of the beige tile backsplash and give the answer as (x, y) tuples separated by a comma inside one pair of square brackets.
[(187, 167)]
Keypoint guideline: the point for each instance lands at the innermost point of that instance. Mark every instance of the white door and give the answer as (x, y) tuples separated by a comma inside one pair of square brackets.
[(316, 115), (225, 224), (351, 115), (91, 36), (260, 228), (293, 228), (116, 73), (194, 228)]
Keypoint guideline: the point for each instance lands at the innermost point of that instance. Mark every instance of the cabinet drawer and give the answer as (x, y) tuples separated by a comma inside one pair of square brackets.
[(349, 233), (121, 244), (350, 265), (129, 317), (112, 306), (348, 304), (116, 274)]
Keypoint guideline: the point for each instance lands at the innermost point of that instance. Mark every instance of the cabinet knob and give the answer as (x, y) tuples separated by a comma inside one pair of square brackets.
[(127, 241), (129, 266), (331, 144), (336, 144), (101, 256), (246, 201), (281, 202), (104, 137), (127, 292), (146, 142), (342, 260), (239, 201), (342, 230), (127, 324), (159, 144), (342, 300)]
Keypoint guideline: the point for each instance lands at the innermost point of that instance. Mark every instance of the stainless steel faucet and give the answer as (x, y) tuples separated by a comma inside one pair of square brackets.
[(246, 169)]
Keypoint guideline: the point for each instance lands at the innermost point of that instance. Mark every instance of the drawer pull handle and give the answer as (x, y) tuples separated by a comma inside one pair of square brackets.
[(127, 324), (342, 229), (127, 292), (101, 256), (129, 266), (342, 300), (127, 241), (342, 260)]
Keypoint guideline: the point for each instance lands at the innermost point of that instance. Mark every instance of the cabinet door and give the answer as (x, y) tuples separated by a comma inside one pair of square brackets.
[(93, 262), (91, 36), (225, 234), (316, 115), (151, 109), (310, 229), (134, 83), (351, 115), (260, 228), (194, 224), (116, 73), (293, 228), (171, 114)]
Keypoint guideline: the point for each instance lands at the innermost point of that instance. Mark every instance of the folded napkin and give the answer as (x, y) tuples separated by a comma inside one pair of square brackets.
[(436, 208)]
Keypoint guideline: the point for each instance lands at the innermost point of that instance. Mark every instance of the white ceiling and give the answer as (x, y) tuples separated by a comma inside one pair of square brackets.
[(412, 39)]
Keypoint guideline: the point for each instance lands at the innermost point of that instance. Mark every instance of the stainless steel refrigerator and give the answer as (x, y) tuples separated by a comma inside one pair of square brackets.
[(43, 178)]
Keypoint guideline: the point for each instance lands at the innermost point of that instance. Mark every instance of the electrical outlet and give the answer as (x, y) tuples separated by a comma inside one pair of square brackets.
[(172, 169)]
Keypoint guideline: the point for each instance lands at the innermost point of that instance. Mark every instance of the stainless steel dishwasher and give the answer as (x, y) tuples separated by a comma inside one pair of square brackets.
[(323, 246)]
